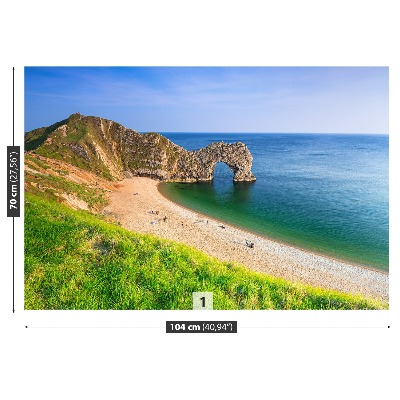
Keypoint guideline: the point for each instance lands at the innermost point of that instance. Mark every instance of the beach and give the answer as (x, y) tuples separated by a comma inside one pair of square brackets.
[(138, 206)]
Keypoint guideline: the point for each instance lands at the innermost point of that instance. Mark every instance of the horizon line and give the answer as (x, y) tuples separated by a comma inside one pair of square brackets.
[(273, 133)]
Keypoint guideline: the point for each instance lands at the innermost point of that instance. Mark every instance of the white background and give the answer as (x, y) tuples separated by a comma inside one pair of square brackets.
[(127, 354)]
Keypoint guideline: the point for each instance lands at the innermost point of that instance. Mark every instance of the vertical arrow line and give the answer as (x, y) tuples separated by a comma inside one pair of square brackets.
[(13, 250)]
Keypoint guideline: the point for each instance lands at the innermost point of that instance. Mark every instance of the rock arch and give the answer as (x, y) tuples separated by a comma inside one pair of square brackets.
[(236, 156)]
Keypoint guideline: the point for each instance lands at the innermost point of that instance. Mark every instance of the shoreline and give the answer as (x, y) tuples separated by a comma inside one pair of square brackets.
[(277, 241), (134, 203)]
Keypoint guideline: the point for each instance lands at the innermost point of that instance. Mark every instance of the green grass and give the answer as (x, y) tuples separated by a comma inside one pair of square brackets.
[(74, 260)]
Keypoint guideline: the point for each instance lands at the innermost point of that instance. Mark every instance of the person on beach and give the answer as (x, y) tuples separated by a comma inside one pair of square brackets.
[(165, 219), (250, 244)]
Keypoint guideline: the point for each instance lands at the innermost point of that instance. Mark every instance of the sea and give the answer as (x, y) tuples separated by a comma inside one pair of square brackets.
[(327, 193)]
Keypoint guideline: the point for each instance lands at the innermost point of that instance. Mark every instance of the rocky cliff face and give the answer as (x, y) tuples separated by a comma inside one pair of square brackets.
[(113, 152)]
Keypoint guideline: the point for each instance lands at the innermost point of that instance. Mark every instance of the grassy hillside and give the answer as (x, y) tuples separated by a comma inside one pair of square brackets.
[(60, 182), (75, 260)]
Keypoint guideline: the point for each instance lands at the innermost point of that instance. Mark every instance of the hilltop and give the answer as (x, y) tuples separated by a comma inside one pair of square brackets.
[(113, 152)]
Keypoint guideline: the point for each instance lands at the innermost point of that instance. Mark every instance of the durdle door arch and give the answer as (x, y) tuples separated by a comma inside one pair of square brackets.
[(236, 156)]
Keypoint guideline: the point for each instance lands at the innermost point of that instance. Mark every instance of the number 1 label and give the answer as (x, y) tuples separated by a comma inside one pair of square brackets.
[(202, 301)]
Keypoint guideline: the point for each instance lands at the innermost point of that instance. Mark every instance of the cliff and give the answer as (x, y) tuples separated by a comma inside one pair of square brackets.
[(112, 151)]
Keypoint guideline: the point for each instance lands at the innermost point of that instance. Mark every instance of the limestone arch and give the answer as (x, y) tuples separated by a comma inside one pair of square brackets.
[(235, 155)]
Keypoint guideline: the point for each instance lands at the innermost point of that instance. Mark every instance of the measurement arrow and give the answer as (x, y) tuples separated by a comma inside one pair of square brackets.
[(13, 179), (13, 86)]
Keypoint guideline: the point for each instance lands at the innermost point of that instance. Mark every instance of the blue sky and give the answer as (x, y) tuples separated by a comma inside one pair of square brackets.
[(214, 99)]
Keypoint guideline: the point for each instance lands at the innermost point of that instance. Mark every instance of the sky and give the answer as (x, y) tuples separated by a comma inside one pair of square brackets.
[(214, 99)]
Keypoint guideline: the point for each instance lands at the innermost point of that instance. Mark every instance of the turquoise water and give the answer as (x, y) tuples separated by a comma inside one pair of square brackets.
[(326, 193)]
